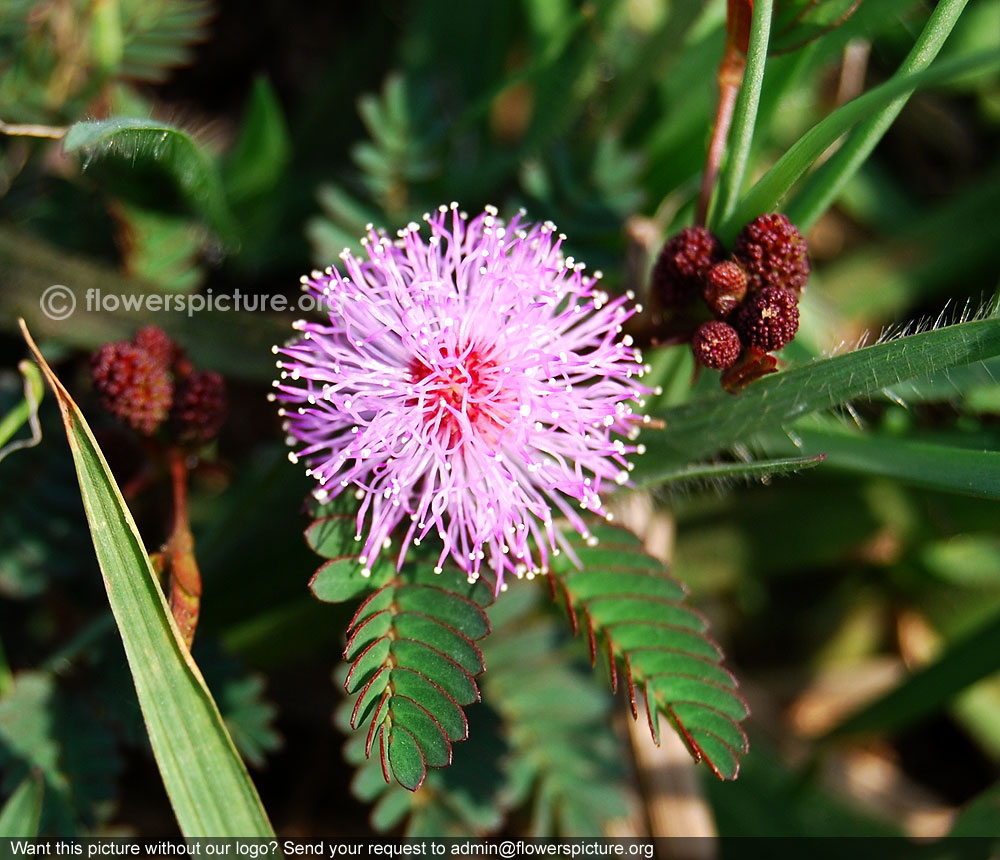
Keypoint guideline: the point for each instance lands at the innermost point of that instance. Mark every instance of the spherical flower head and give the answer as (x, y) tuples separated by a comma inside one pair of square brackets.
[(725, 287), (199, 407), (133, 385), (469, 384), (680, 269), (716, 345), (769, 319), (157, 343), (773, 252)]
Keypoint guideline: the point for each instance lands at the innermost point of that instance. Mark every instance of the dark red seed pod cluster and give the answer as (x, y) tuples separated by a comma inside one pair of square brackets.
[(132, 385), (148, 380), (772, 251), (738, 309), (682, 265)]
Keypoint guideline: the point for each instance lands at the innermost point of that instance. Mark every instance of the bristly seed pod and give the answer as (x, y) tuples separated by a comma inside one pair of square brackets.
[(772, 251), (133, 386), (682, 265), (157, 343), (725, 287), (716, 345), (769, 319)]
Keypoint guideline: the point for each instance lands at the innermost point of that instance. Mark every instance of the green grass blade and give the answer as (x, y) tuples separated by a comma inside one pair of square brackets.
[(132, 139), (23, 809), (920, 464), (771, 188), (825, 184), (701, 427), (744, 115), (759, 469), (964, 663), (207, 783)]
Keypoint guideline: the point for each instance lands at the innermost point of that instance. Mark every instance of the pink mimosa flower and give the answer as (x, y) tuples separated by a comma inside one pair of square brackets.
[(471, 383)]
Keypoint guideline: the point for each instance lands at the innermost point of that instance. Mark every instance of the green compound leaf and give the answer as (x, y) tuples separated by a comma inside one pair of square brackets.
[(414, 661), (156, 37), (342, 577), (135, 140), (634, 615), (207, 783), (542, 740), (566, 761)]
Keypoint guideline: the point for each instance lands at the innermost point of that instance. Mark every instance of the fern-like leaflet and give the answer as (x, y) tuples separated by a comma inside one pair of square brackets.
[(412, 651), (635, 614)]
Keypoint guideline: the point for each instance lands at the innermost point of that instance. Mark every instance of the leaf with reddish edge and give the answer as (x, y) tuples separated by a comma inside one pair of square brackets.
[(376, 602), (638, 613), (406, 757), (447, 640), (427, 660), (591, 641), (629, 635), (378, 721), (652, 716), (446, 710), (415, 658), (452, 609), (427, 731), (369, 662), (383, 753), (373, 627), (667, 662), (612, 665), (606, 581), (631, 683), (609, 608), (372, 690), (340, 579)]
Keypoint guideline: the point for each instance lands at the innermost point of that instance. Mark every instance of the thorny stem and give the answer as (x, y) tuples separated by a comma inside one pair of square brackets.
[(185, 579)]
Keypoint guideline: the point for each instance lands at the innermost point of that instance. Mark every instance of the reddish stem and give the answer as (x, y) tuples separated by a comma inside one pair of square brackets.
[(730, 77), (185, 579)]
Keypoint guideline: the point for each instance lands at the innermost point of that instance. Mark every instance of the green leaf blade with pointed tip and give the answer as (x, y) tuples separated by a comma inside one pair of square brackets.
[(23, 810), (707, 425), (207, 783)]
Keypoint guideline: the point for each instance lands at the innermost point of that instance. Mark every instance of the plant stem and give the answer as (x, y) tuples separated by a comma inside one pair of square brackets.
[(185, 579), (730, 75), (54, 132), (745, 116), (770, 189)]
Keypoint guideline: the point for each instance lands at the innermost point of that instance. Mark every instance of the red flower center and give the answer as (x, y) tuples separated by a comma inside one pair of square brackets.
[(461, 392)]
